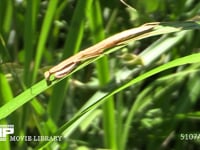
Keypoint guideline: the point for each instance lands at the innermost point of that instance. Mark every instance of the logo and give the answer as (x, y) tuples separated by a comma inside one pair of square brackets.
[(5, 130)]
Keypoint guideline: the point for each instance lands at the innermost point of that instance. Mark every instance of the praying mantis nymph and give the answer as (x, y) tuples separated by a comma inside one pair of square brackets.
[(66, 66)]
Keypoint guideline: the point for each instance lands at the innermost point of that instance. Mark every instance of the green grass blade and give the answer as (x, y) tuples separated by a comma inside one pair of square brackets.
[(44, 35), (29, 38), (104, 77)]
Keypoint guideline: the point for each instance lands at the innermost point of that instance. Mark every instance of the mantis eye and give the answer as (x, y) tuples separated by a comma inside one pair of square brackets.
[(47, 75)]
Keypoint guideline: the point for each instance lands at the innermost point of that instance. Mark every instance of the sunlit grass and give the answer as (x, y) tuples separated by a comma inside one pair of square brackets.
[(110, 101)]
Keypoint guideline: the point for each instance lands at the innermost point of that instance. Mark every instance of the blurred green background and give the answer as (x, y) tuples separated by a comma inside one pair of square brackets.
[(160, 112)]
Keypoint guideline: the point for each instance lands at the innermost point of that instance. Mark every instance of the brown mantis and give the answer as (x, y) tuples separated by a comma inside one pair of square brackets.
[(66, 66)]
